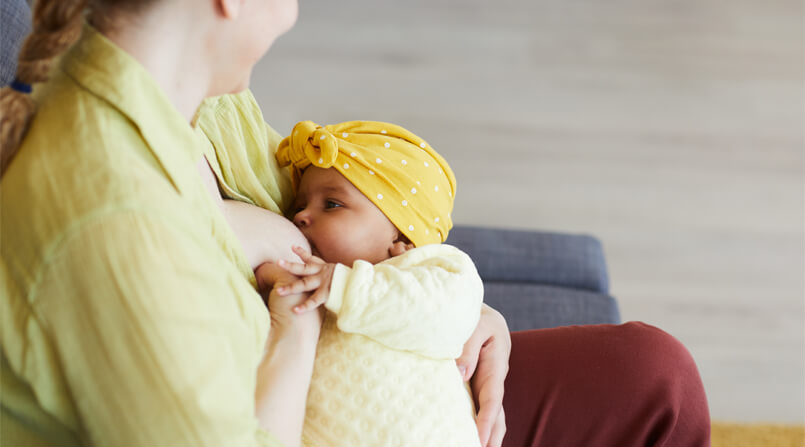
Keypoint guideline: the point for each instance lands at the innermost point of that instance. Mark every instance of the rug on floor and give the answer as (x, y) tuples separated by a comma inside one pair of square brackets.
[(726, 434)]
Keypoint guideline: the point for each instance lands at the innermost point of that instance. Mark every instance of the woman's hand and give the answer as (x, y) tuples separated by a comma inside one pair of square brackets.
[(283, 318), (485, 362)]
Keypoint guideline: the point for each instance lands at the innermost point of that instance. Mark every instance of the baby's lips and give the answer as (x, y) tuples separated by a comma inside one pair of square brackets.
[(313, 250)]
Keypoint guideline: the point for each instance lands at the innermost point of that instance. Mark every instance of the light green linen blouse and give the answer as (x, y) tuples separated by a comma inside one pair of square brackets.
[(128, 315)]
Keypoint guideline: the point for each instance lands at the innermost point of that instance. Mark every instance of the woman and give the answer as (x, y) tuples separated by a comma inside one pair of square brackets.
[(129, 314)]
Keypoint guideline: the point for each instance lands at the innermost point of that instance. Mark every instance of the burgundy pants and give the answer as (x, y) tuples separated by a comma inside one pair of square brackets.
[(603, 385)]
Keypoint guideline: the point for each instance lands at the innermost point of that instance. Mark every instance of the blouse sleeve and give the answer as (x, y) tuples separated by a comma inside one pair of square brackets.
[(426, 301), (154, 345), (241, 148)]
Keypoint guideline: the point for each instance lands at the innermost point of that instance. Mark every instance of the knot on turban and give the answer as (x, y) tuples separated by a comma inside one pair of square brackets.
[(395, 169), (308, 144)]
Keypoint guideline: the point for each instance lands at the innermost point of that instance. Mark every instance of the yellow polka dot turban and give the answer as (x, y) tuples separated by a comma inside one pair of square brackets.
[(398, 171)]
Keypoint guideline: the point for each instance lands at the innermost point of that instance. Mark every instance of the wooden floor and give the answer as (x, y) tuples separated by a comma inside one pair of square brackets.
[(672, 130)]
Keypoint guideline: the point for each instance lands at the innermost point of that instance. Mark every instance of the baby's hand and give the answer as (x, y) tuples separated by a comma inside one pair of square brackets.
[(313, 274)]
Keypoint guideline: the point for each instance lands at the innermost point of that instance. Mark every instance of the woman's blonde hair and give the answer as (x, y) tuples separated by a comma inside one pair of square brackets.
[(56, 26)]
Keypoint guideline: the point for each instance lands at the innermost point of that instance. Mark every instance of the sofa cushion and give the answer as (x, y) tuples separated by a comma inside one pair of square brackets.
[(559, 259)]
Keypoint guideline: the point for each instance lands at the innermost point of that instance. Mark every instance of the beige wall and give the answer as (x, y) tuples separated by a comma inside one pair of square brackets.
[(672, 130)]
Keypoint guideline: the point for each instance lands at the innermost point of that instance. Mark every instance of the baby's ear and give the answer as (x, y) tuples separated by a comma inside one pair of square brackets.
[(400, 246)]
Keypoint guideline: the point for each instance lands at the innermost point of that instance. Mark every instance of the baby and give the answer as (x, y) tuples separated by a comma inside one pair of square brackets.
[(374, 201)]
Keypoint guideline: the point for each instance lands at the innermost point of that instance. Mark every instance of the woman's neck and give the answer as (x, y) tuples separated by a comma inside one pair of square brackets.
[(171, 49)]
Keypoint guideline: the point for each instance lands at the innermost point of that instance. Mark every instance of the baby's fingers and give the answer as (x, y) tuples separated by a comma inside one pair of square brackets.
[(306, 256), (315, 300), (303, 284), (300, 269)]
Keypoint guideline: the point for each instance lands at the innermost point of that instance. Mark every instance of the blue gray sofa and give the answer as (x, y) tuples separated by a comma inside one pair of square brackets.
[(540, 279), (15, 23)]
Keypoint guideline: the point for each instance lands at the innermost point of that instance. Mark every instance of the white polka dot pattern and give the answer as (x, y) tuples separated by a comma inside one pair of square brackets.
[(381, 159)]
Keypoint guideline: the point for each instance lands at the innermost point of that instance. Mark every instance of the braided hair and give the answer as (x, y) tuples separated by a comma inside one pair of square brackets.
[(56, 26)]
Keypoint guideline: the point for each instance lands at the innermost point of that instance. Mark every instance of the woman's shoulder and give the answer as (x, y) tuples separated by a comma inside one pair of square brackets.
[(78, 148), (73, 127), (80, 159)]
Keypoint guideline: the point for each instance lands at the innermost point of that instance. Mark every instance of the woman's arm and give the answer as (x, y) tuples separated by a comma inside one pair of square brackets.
[(485, 362), (283, 377)]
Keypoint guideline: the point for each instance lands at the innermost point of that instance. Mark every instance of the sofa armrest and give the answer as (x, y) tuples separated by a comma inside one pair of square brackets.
[(553, 259), (540, 279)]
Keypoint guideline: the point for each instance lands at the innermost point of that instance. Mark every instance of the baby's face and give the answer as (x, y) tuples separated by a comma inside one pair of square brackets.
[(341, 224)]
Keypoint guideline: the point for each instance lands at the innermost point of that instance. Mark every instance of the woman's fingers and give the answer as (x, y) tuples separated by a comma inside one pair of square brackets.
[(486, 358), (498, 431), (488, 391), (472, 349)]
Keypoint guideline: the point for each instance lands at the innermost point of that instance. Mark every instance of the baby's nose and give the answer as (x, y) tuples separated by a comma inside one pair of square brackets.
[(301, 219)]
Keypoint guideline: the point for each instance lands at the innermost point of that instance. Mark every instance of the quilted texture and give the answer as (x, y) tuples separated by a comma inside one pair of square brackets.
[(364, 394), (385, 372)]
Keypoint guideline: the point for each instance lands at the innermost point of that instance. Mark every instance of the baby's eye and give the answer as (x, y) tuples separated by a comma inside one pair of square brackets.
[(330, 204)]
